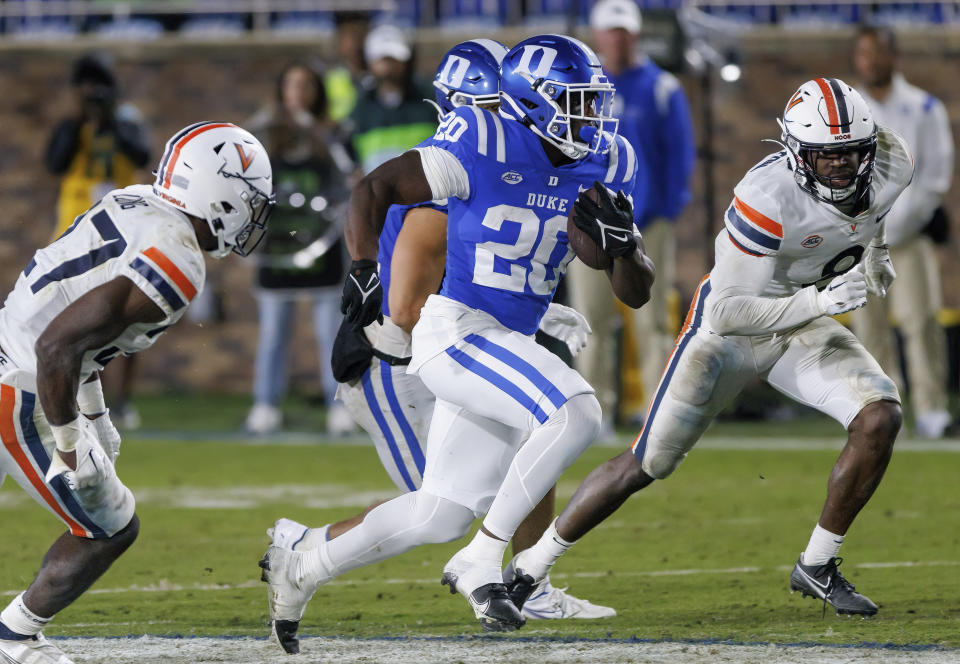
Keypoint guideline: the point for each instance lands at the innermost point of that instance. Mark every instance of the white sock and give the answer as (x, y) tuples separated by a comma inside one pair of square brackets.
[(21, 620), (313, 538), (539, 558), (486, 549), (823, 546), (315, 567)]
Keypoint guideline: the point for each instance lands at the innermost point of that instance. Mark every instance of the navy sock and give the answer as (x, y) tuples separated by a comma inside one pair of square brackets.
[(9, 635)]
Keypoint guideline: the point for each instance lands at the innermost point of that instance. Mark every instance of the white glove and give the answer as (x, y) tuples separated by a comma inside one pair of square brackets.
[(107, 434), (93, 465), (845, 293), (878, 269), (566, 324)]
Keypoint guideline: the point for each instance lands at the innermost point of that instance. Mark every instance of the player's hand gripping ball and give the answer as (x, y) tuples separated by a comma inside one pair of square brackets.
[(600, 227)]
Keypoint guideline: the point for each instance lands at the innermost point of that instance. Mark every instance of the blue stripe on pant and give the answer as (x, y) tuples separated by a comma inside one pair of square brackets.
[(377, 412), (488, 374), (39, 453), (513, 360), (386, 374), (640, 447)]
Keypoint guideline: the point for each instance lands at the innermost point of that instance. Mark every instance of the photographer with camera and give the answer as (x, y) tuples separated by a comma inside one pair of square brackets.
[(96, 149), (99, 146)]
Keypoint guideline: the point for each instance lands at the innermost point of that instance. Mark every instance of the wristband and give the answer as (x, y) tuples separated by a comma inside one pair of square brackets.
[(90, 399), (67, 435)]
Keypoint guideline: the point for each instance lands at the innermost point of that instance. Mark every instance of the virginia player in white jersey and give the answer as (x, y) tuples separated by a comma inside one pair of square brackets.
[(123, 273), (510, 180), (803, 241)]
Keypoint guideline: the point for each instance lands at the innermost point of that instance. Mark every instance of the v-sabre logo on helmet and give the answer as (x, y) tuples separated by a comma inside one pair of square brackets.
[(245, 159)]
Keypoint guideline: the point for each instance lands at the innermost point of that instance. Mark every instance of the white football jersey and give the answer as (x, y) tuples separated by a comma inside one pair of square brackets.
[(812, 241), (128, 233)]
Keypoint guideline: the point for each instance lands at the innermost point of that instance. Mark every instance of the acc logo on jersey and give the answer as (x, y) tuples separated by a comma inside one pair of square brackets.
[(511, 177), (811, 241)]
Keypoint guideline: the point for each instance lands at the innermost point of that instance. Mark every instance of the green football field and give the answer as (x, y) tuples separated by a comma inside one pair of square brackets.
[(704, 555)]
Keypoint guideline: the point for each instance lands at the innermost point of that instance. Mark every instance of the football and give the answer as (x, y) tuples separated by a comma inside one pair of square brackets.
[(582, 244)]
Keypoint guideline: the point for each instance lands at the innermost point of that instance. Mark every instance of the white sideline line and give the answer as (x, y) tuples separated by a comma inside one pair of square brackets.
[(165, 586), (159, 650)]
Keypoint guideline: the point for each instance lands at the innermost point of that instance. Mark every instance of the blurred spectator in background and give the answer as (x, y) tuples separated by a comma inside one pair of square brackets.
[(914, 297), (98, 147), (655, 119), (344, 80), (391, 116), (302, 257)]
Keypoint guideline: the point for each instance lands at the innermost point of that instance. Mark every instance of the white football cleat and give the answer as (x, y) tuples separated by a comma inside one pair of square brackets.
[(294, 536), (287, 533), (483, 587), (287, 598), (35, 650), (550, 603)]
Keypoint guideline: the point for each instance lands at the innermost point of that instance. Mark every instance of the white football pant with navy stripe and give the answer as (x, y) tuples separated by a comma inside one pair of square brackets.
[(395, 408), (95, 512), (820, 364)]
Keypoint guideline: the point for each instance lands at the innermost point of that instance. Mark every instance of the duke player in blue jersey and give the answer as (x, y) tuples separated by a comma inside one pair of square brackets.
[(395, 407), (510, 416)]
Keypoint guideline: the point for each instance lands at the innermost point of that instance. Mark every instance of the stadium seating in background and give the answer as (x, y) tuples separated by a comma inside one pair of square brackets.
[(818, 16), (129, 29), (201, 25), (35, 25), (471, 15), (302, 22)]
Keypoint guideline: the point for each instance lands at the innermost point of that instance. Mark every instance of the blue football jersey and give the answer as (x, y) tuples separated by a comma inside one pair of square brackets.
[(507, 242), (388, 239)]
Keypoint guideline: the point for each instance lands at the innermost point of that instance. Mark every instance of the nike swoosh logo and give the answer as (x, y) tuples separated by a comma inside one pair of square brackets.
[(837, 286), (481, 609), (621, 238), (371, 286), (822, 586)]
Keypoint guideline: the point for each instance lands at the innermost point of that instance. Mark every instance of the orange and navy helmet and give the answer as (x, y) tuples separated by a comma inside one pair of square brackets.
[(827, 116)]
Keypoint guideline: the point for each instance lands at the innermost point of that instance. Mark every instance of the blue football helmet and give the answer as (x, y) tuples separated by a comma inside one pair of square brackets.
[(469, 74), (556, 87)]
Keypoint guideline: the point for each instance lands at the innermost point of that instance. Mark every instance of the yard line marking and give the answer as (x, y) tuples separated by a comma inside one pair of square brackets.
[(165, 586)]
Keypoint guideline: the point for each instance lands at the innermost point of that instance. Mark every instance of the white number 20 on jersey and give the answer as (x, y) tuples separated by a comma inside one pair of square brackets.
[(451, 128), (519, 276)]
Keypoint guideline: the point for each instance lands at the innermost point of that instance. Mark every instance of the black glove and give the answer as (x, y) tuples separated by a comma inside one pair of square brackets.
[(609, 223), (362, 293)]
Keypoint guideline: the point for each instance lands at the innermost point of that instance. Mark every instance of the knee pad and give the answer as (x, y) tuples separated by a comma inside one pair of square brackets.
[(697, 377), (661, 458)]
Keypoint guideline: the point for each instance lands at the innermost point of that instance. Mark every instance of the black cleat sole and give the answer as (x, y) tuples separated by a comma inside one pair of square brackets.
[(449, 580), (286, 631)]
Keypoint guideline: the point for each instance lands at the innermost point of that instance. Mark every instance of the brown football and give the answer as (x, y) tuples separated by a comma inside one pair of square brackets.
[(582, 244)]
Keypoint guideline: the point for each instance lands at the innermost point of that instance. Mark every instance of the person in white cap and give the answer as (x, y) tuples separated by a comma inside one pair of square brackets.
[(915, 297), (390, 116), (655, 117)]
